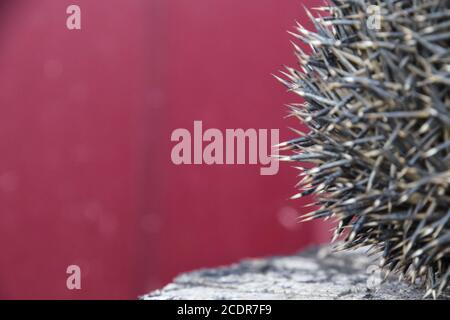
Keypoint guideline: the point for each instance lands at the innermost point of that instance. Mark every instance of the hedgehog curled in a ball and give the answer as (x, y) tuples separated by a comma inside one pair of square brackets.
[(376, 98)]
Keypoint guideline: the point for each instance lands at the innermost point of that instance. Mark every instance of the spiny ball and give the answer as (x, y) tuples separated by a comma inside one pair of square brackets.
[(376, 97)]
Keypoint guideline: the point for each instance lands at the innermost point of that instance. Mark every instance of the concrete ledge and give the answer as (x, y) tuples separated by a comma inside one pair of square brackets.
[(312, 274)]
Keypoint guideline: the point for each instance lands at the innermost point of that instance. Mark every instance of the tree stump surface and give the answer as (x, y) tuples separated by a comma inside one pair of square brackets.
[(314, 274)]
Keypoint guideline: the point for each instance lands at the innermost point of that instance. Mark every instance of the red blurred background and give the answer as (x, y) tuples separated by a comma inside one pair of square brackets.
[(85, 121)]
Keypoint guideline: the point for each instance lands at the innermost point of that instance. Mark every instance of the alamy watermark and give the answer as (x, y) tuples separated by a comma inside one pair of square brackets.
[(375, 277), (374, 17), (235, 146), (73, 21), (73, 281)]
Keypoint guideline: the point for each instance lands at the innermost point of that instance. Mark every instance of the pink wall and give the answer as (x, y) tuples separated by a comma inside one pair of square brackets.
[(85, 121)]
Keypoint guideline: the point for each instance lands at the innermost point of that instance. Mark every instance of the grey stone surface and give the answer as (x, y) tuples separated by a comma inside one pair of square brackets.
[(312, 274)]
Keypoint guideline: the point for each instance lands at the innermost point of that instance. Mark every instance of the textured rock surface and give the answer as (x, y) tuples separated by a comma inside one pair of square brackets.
[(313, 274)]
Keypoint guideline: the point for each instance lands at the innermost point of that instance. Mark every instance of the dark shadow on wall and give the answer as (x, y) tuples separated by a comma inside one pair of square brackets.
[(8, 11)]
